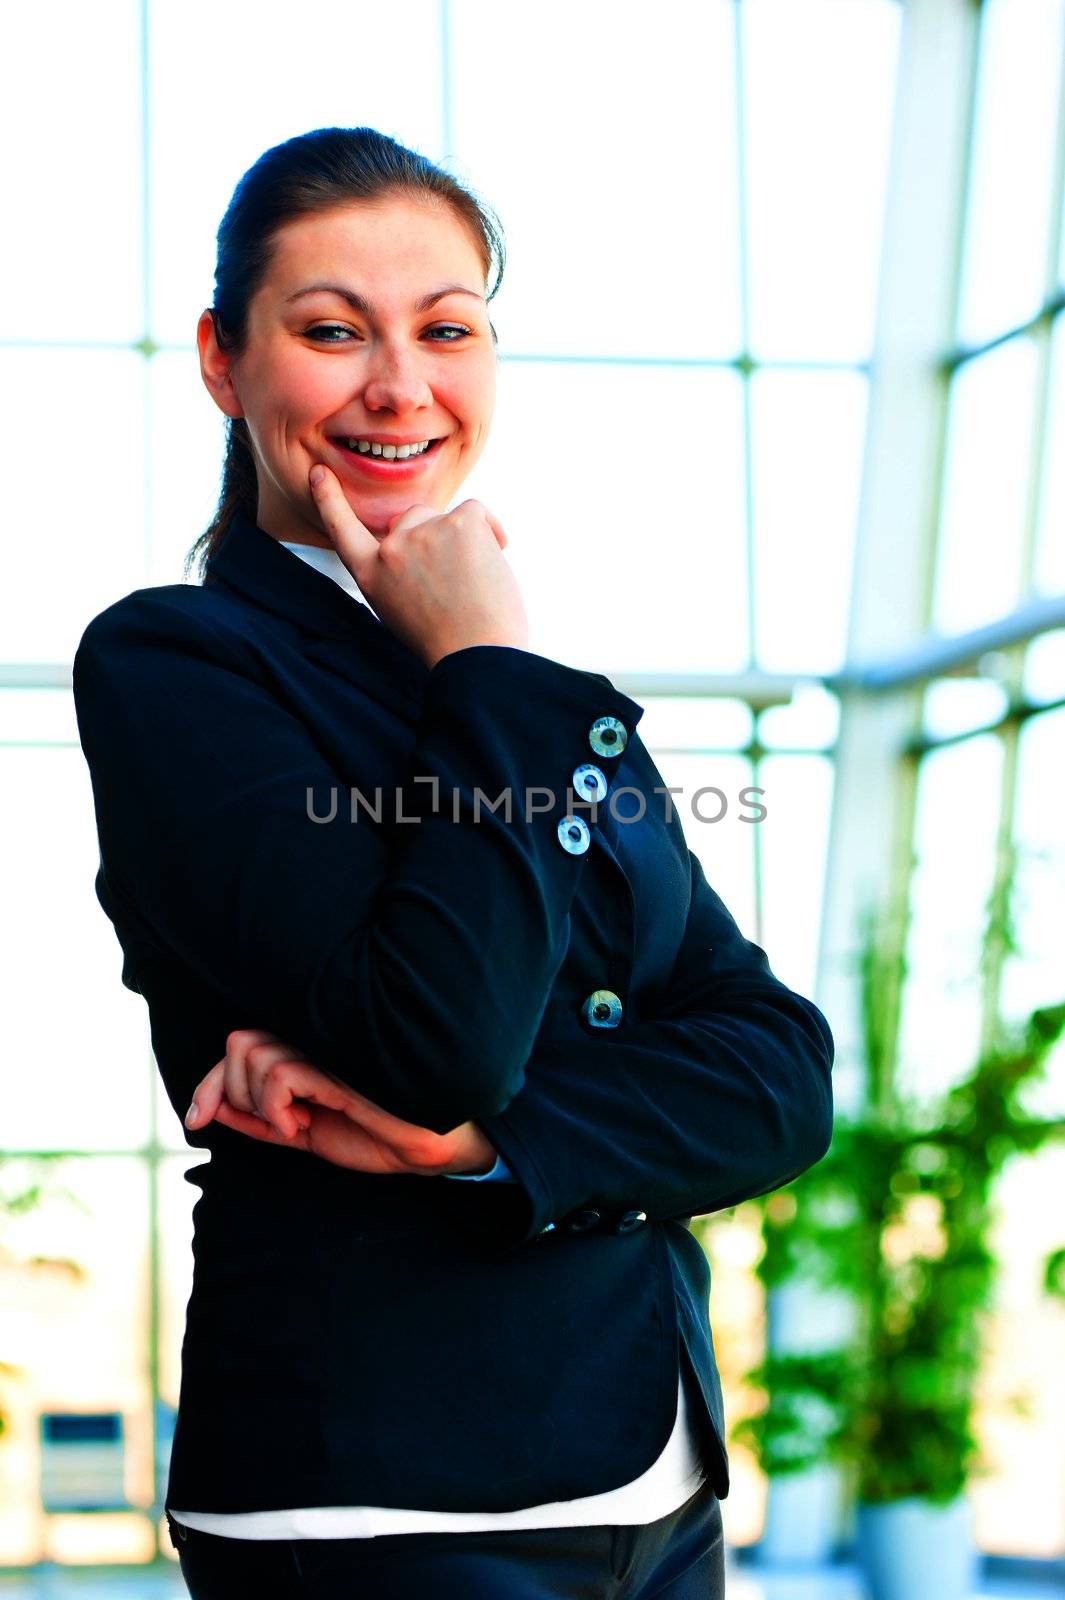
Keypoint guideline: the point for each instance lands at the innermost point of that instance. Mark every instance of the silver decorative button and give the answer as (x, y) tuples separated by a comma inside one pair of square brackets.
[(574, 835), (629, 1220), (581, 1221), (590, 782), (607, 736), (602, 1009)]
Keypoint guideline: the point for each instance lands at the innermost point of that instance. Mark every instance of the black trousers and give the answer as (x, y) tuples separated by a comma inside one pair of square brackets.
[(678, 1557)]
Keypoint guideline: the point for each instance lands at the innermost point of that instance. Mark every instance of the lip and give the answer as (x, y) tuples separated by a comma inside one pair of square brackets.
[(385, 471)]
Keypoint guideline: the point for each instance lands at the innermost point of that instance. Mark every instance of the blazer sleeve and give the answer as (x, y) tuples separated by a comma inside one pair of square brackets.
[(413, 959), (725, 1093)]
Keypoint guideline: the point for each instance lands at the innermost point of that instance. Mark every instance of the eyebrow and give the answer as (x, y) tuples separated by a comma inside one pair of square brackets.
[(358, 302)]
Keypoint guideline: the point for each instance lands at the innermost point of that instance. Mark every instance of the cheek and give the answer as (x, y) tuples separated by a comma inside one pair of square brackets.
[(474, 400), (302, 393)]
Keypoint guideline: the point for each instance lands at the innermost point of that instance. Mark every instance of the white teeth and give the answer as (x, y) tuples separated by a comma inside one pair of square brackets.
[(390, 452)]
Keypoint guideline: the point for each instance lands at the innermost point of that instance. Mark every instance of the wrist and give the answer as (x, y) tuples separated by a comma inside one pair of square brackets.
[(464, 1167), (475, 1155)]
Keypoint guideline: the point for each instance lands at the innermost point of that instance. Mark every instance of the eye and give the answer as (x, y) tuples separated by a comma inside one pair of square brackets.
[(324, 328), (449, 327), (321, 333)]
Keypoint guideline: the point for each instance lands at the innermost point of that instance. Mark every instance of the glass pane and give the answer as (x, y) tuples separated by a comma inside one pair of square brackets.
[(958, 805), (37, 716), (88, 1295), (809, 720), (70, 124), (1044, 667), (268, 79), (794, 841), (176, 1199), (184, 483), (953, 706), (1061, 246), (807, 443), (620, 202), (710, 807), (81, 1038), (1049, 576), (733, 1244), (630, 557), (1035, 975), (689, 721), (1005, 249), (1019, 1505), (819, 88), (79, 509), (985, 484)]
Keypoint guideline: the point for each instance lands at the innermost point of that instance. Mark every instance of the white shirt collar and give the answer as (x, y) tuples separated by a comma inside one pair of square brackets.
[(328, 562)]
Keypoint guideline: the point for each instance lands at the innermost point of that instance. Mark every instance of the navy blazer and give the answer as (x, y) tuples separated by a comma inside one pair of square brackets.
[(357, 1339)]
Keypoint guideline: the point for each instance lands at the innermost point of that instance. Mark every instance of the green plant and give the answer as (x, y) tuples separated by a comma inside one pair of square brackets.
[(898, 1218)]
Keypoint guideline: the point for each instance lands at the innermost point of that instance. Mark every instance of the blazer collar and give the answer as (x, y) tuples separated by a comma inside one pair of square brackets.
[(350, 639)]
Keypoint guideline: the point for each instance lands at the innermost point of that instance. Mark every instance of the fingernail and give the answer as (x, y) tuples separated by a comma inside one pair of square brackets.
[(191, 1115), (317, 474)]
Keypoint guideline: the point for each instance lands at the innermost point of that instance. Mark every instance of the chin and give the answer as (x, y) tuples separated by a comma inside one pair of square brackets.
[(373, 517), (376, 520)]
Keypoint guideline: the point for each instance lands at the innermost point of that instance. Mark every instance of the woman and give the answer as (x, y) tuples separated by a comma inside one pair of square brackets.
[(397, 1379)]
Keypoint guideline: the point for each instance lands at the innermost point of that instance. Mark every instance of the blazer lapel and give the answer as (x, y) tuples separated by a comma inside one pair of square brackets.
[(349, 640)]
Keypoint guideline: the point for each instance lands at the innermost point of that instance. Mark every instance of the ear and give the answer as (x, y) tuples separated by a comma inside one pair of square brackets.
[(216, 367)]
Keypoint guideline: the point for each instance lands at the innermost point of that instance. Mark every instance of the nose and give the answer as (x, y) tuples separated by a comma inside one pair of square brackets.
[(396, 380)]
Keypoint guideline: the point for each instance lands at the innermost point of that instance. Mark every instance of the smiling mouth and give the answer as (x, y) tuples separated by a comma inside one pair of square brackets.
[(376, 452)]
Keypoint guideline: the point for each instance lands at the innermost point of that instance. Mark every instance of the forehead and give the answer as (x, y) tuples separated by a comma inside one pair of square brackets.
[(396, 242)]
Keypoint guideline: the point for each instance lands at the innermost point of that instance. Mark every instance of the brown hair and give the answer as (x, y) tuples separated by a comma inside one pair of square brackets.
[(312, 172)]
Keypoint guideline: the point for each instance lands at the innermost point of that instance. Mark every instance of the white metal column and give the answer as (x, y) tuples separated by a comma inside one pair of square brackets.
[(869, 842)]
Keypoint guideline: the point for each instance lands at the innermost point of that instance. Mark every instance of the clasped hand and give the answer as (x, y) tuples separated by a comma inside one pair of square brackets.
[(268, 1090)]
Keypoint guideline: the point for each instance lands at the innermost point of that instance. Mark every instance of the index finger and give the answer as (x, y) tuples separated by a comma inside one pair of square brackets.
[(355, 544), (207, 1096)]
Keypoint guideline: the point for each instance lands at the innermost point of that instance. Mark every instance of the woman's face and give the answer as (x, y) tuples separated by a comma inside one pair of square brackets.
[(319, 368)]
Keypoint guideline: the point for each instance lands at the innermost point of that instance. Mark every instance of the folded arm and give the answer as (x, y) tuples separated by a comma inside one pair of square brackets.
[(414, 962), (724, 1094)]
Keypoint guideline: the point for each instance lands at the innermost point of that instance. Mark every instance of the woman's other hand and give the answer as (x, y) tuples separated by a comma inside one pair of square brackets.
[(438, 580), (268, 1090)]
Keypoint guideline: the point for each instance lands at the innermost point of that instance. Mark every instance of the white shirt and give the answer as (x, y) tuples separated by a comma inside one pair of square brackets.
[(667, 1483)]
